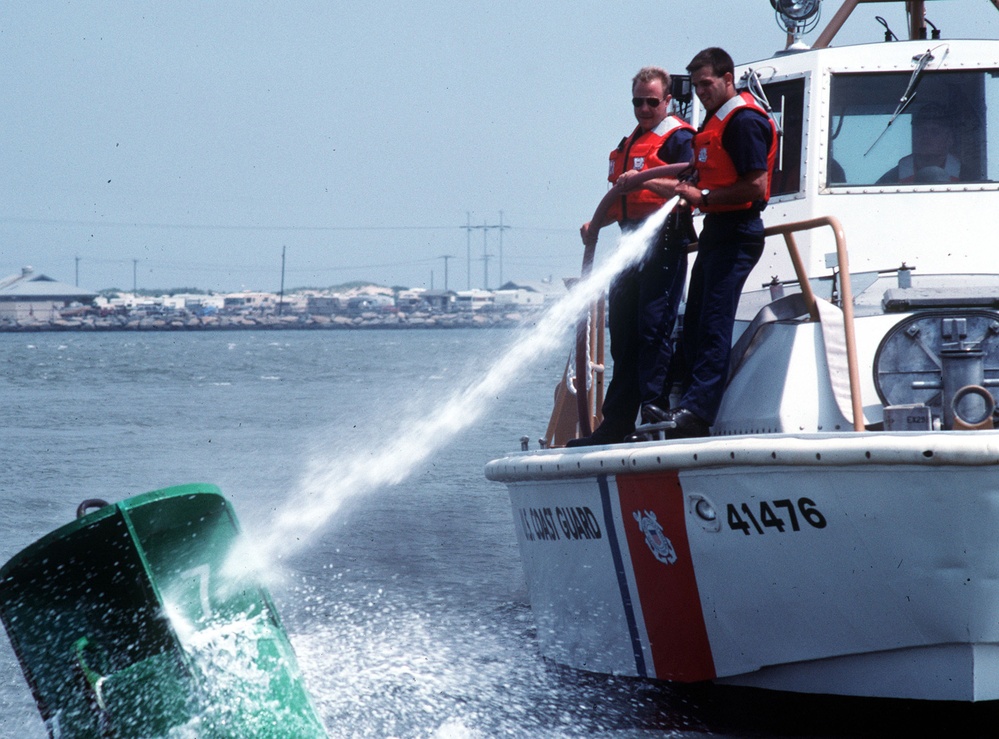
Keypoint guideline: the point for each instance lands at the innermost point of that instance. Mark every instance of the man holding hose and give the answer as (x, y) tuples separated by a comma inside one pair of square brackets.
[(643, 299), (735, 152)]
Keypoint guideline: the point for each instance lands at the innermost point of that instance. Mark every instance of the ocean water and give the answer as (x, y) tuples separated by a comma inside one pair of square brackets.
[(407, 606)]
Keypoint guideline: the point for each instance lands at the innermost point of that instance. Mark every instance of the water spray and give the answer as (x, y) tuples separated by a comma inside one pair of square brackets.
[(329, 483)]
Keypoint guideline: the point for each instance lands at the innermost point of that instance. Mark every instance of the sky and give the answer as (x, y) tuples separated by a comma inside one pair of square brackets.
[(168, 144)]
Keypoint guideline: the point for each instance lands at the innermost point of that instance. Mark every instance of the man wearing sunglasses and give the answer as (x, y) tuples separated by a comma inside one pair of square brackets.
[(643, 299)]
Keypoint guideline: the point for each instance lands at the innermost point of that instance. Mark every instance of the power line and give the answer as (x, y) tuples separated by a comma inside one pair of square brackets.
[(211, 226), (204, 266), (282, 227)]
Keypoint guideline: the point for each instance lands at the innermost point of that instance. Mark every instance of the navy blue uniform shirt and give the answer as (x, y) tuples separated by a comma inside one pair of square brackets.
[(747, 140)]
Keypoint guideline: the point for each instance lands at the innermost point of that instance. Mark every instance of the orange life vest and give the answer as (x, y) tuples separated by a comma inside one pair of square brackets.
[(714, 166), (640, 151)]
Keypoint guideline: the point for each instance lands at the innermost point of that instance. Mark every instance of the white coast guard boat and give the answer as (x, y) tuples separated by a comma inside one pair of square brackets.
[(839, 531)]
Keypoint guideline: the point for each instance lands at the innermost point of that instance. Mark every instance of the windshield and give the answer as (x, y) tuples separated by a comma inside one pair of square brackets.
[(943, 136)]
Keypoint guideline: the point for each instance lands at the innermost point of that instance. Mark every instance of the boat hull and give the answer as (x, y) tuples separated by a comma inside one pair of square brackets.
[(856, 564)]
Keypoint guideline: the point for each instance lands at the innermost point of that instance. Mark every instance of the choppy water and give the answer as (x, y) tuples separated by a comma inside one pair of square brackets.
[(408, 611)]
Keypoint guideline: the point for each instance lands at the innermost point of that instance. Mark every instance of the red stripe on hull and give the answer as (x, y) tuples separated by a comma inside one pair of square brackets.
[(664, 576)]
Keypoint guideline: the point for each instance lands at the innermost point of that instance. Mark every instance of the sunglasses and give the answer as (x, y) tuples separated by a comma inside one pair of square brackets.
[(651, 102)]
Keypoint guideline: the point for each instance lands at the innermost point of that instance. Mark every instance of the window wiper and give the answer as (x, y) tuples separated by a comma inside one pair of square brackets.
[(910, 92)]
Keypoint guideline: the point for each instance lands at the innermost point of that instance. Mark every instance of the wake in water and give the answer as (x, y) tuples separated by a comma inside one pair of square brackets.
[(330, 482)]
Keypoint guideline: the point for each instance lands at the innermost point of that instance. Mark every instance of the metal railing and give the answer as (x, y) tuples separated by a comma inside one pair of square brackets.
[(579, 412), (787, 230)]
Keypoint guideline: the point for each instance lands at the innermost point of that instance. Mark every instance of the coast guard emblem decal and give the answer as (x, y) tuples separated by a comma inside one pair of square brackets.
[(661, 547)]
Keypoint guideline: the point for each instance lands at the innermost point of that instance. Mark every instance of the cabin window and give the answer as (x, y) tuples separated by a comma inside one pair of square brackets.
[(941, 137), (787, 101)]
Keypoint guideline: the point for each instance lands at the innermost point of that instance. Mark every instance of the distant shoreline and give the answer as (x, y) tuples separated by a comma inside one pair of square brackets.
[(271, 323)]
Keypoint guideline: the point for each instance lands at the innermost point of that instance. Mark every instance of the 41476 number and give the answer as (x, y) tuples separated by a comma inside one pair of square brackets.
[(772, 515)]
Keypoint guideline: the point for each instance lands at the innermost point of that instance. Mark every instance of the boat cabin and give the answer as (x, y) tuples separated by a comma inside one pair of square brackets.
[(875, 135)]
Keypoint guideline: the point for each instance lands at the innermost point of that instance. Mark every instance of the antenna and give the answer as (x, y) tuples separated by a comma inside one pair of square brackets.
[(889, 34)]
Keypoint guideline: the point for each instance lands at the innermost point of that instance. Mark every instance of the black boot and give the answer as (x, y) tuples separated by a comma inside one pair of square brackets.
[(602, 434), (686, 424), (652, 413)]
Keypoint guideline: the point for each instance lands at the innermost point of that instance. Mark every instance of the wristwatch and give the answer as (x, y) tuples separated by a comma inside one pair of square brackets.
[(704, 196)]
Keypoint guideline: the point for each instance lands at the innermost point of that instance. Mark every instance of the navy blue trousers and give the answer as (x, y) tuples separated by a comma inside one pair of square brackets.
[(729, 247), (642, 305)]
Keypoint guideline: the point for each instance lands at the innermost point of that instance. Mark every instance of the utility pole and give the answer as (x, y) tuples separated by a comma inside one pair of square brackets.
[(485, 256), (281, 299), (468, 248), (445, 257), (486, 227), (501, 228), (77, 271)]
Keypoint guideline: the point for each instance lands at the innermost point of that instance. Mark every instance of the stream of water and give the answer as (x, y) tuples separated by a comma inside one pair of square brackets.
[(424, 428)]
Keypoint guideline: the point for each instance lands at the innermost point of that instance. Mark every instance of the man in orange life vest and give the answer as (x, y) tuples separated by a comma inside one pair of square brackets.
[(734, 154), (643, 299)]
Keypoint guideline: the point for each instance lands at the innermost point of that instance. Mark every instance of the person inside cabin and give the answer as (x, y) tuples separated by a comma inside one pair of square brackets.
[(643, 299), (932, 160), (734, 155)]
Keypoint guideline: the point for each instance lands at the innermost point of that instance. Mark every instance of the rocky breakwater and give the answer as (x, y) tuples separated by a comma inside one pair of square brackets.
[(179, 322)]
